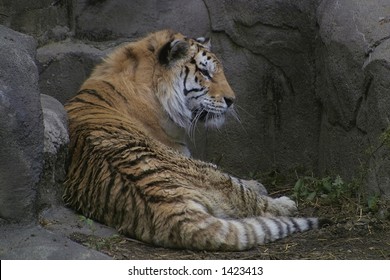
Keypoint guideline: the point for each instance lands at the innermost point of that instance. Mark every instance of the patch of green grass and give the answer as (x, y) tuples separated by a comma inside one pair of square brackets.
[(103, 244), (373, 203), (308, 188), (327, 196), (333, 195), (385, 137), (89, 222)]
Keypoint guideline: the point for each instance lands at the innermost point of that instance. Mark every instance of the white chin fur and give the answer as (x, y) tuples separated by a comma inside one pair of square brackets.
[(215, 122)]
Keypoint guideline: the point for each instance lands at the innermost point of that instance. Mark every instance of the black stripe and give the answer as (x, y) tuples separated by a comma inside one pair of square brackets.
[(250, 234), (127, 162), (136, 211), (91, 186), (187, 70), (198, 96), (116, 91), (266, 230), (83, 165), (255, 205), (152, 225), (95, 94), (175, 214), (242, 191), (280, 227), (108, 197), (309, 223), (187, 91), (146, 173), (98, 189), (176, 229), (116, 159), (297, 227), (166, 184), (157, 199), (80, 100), (130, 198), (288, 229), (126, 199)]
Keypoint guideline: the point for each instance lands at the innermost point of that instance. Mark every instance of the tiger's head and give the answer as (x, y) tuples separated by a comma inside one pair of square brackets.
[(191, 84)]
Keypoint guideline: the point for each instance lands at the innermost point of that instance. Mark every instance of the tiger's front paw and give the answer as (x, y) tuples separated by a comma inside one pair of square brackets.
[(284, 206)]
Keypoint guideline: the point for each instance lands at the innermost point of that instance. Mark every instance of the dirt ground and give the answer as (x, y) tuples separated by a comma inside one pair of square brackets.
[(355, 233), (361, 241)]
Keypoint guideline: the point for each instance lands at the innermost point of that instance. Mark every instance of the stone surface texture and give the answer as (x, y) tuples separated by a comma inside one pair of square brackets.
[(63, 66), (21, 127), (56, 139), (352, 66), (311, 79)]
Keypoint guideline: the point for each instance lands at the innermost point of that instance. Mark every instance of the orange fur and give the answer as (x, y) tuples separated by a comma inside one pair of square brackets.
[(129, 166)]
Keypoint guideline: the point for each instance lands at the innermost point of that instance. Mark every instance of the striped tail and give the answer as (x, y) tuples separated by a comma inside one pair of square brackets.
[(217, 234)]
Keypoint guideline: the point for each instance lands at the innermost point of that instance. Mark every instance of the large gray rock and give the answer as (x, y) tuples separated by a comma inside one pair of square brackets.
[(64, 66), (353, 70), (374, 117), (21, 127), (46, 20), (267, 51), (56, 139), (108, 20), (36, 243), (55, 123)]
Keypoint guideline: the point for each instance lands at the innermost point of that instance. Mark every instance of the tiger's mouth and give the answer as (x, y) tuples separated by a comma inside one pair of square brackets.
[(203, 115), (210, 119)]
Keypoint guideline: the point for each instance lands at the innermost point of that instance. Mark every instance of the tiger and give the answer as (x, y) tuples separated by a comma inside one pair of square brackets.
[(129, 166)]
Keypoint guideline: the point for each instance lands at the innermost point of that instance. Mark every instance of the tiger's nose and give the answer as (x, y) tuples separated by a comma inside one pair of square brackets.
[(228, 101)]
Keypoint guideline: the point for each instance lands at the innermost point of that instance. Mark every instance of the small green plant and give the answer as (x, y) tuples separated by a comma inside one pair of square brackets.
[(308, 188), (88, 222), (104, 243), (373, 202), (385, 137)]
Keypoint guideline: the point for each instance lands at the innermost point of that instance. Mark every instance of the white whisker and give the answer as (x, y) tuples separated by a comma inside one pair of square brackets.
[(240, 108), (234, 114), (193, 125)]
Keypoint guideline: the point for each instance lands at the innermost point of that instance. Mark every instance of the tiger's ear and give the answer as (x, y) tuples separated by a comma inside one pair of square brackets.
[(173, 51), (206, 42)]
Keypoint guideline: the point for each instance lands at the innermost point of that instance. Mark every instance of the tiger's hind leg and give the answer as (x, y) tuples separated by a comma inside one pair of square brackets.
[(197, 229), (282, 206)]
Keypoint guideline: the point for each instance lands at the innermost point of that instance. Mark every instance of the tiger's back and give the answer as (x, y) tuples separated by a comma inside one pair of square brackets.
[(128, 166)]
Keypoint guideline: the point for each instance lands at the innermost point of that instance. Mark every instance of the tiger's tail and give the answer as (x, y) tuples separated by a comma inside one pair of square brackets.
[(219, 234)]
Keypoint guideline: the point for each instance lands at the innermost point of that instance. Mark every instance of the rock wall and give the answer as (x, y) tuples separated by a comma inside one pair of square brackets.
[(267, 49), (311, 79), (352, 84), (21, 127), (45, 20)]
